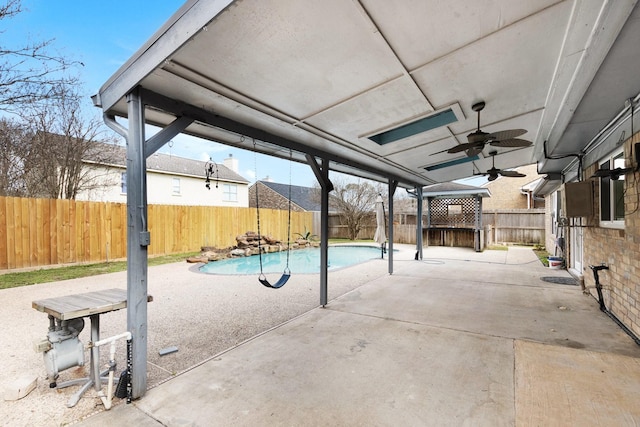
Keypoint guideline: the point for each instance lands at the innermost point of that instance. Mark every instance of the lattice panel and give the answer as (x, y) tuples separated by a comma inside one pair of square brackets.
[(459, 213)]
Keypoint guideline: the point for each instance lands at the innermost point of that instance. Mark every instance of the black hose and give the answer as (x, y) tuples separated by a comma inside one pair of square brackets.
[(622, 326), (603, 308)]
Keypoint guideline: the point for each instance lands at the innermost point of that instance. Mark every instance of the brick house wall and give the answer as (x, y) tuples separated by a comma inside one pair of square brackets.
[(619, 249), (270, 199), (505, 192)]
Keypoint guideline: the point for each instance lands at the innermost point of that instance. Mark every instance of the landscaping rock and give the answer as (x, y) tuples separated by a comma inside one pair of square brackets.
[(270, 240), (216, 256), (243, 243), (248, 244), (237, 252), (197, 259)]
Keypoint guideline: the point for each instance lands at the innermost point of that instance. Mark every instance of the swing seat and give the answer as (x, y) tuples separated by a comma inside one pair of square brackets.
[(280, 283)]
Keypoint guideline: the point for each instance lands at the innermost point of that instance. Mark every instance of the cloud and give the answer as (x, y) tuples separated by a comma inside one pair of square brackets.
[(250, 174)]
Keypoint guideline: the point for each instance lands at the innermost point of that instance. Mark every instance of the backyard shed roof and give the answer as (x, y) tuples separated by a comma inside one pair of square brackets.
[(454, 190)]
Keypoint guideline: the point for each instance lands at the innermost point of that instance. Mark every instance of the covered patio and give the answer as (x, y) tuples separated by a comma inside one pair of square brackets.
[(373, 89), (492, 345)]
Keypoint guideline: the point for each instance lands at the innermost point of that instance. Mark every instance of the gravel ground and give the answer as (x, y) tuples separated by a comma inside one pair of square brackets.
[(202, 315)]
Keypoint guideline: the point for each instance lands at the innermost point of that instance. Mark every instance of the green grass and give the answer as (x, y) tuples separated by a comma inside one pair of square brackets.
[(54, 274), (349, 241), (542, 255), (497, 248)]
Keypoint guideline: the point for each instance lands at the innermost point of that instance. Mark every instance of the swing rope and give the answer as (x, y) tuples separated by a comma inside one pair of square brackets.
[(287, 272)]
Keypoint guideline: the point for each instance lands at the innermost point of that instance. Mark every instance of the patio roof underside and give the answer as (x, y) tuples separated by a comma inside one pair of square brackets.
[(323, 77)]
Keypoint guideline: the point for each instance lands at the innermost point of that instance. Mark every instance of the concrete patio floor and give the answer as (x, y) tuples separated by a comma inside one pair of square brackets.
[(460, 338)]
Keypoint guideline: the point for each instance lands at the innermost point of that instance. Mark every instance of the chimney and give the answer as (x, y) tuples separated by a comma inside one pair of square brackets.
[(231, 163)]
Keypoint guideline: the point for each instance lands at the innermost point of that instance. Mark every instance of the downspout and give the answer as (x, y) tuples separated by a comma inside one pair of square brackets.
[(527, 193)]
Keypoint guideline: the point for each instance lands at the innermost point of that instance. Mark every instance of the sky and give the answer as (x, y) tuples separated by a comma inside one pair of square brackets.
[(103, 35)]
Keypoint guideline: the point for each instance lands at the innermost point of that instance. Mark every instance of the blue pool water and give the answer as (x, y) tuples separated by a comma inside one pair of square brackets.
[(300, 261)]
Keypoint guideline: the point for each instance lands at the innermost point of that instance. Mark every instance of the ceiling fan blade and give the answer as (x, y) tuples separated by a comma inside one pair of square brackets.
[(512, 174), (439, 152), (506, 134), (601, 173), (512, 142), (464, 147), (613, 173)]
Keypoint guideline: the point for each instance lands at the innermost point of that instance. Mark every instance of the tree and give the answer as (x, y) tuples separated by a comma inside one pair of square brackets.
[(61, 145), (29, 73), (354, 202), (12, 137), (46, 144)]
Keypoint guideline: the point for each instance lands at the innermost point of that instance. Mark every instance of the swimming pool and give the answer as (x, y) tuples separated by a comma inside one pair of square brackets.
[(300, 261)]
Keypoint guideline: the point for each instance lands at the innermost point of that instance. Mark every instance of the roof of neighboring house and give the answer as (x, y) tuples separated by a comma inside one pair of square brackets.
[(166, 163), (307, 198), (532, 185), (454, 190)]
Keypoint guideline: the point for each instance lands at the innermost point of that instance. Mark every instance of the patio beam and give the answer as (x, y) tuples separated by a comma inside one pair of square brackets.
[(158, 140)]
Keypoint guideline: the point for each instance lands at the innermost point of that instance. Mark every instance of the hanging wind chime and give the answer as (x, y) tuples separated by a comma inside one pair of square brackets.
[(210, 169)]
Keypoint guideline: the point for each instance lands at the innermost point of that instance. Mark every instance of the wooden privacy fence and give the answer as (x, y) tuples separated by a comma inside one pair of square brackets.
[(39, 232), (526, 226), (514, 226)]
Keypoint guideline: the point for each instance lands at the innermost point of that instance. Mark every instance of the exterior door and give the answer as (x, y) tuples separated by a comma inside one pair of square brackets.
[(576, 246)]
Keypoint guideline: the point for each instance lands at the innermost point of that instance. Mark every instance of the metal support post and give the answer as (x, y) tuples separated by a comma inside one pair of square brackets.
[(478, 226), (419, 224), (324, 241), (393, 185), (137, 242), (322, 175)]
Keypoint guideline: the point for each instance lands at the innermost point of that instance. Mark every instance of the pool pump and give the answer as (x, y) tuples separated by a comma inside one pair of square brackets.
[(62, 348)]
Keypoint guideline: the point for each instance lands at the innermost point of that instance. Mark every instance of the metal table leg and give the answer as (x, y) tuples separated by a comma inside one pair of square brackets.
[(95, 378), (95, 351)]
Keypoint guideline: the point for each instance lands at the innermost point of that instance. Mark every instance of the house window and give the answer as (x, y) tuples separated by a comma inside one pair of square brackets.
[(612, 193), (176, 186), (123, 183), (229, 193)]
